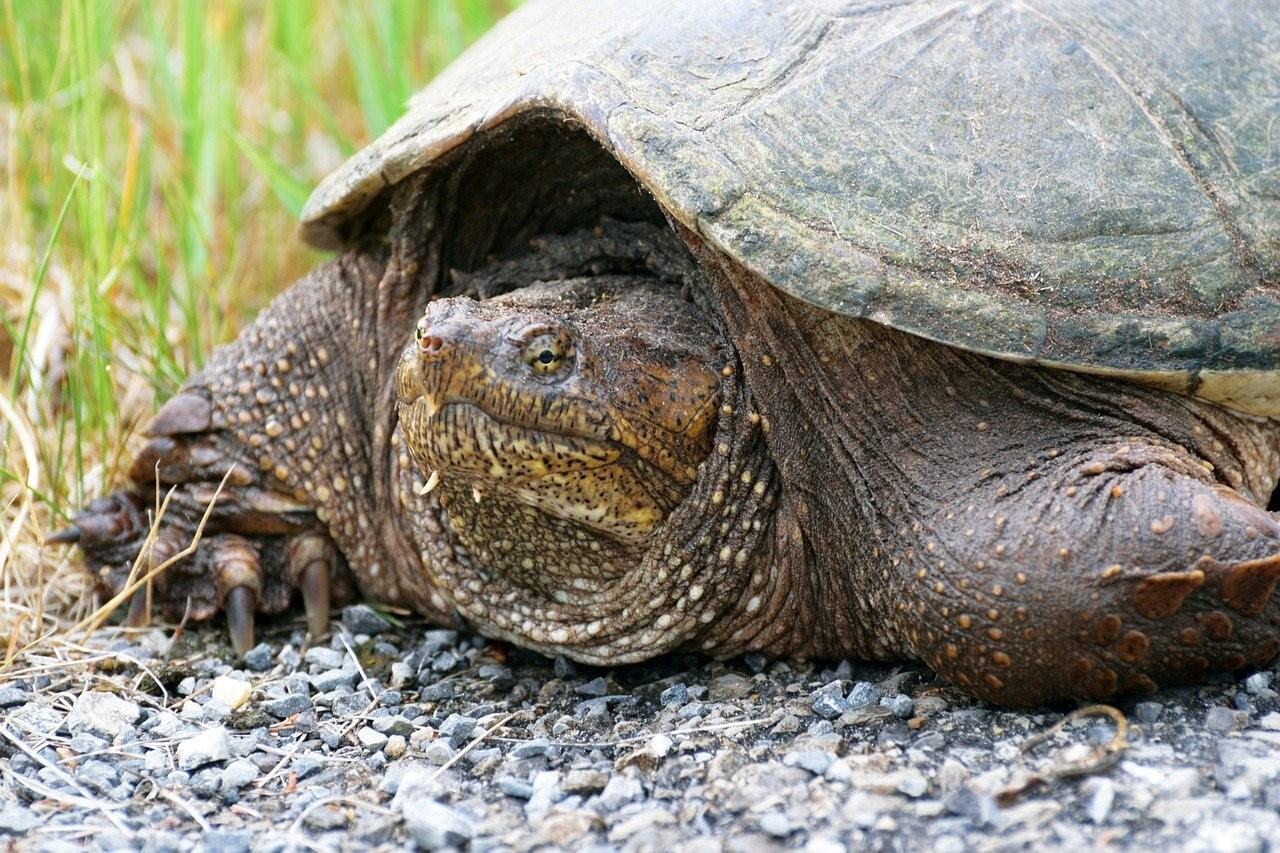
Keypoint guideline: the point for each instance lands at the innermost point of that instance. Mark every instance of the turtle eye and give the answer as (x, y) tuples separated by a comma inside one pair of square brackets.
[(547, 353)]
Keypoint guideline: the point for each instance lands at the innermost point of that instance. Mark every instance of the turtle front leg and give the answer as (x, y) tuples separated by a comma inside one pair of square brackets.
[(250, 546), (285, 440)]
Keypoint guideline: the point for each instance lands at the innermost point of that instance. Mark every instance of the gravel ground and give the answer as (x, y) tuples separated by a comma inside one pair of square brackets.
[(389, 736)]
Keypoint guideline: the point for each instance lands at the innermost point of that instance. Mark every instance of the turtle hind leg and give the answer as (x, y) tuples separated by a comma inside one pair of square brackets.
[(1120, 570)]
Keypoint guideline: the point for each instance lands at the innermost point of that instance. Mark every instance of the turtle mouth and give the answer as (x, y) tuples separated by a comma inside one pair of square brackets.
[(460, 436)]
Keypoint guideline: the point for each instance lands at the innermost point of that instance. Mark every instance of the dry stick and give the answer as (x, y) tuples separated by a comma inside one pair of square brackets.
[(26, 440), (44, 762), (363, 675)]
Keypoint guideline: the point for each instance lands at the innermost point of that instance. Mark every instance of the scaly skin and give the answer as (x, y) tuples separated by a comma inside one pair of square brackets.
[(718, 466)]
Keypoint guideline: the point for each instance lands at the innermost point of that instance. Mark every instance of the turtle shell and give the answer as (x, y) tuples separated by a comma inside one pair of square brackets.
[(1081, 183)]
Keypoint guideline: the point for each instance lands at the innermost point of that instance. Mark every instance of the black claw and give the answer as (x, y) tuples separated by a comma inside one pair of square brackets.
[(139, 613), (314, 584), (65, 536), (239, 605)]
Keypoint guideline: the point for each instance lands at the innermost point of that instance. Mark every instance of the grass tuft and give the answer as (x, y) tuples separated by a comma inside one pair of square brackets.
[(153, 159)]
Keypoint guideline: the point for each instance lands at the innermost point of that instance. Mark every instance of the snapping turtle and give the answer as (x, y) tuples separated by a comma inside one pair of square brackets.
[(934, 330)]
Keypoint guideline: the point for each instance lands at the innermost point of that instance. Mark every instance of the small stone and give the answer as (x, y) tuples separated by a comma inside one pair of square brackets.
[(864, 693), (104, 713), (814, 760), (438, 751), (433, 825), (564, 828), (531, 748), (755, 662), (324, 658), (660, 745), (225, 841), (287, 705), (776, 824), (1148, 713), (676, 694), (238, 773), (370, 739), (1257, 682), (728, 687), (912, 783), (1221, 720), (258, 658), (434, 691), (396, 746), (204, 748), (828, 700), (363, 619), (332, 679), (594, 687), (517, 788), (13, 696), (232, 692), (327, 818), (16, 820), (457, 728), (584, 781), (564, 668), (620, 790), (902, 706), (1101, 792), (394, 725)]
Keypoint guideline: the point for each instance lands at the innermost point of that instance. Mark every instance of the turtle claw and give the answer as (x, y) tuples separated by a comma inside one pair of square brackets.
[(314, 583), (139, 609), (69, 535), (239, 605)]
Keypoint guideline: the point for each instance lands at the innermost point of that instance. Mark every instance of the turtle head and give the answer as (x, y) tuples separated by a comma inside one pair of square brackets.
[(589, 405)]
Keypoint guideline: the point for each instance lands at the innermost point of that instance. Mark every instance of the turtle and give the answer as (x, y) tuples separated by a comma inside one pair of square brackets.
[(938, 330)]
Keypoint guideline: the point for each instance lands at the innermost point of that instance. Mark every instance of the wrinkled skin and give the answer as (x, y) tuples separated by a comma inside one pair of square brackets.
[(612, 465)]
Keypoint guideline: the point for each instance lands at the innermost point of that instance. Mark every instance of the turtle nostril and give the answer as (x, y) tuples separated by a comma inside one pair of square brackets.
[(431, 345)]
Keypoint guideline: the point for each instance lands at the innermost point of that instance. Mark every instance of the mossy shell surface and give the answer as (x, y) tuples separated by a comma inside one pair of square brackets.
[(1088, 184)]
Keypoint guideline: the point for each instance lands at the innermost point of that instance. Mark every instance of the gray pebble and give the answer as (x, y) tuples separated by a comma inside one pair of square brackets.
[(564, 668), (258, 658), (324, 658), (457, 728), (363, 619), (436, 691), (433, 825), (370, 739), (1221, 720), (1257, 682), (517, 788), (1101, 794), (530, 749), (13, 696), (288, 705), (16, 820), (237, 774), (1148, 713), (594, 687), (776, 824), (204, 748), (225, 841), (676, 694), (103, 713), (814, 760), (864, 693)]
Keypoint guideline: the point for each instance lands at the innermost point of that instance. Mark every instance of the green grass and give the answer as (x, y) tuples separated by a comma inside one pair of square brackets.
[(153, 158)]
